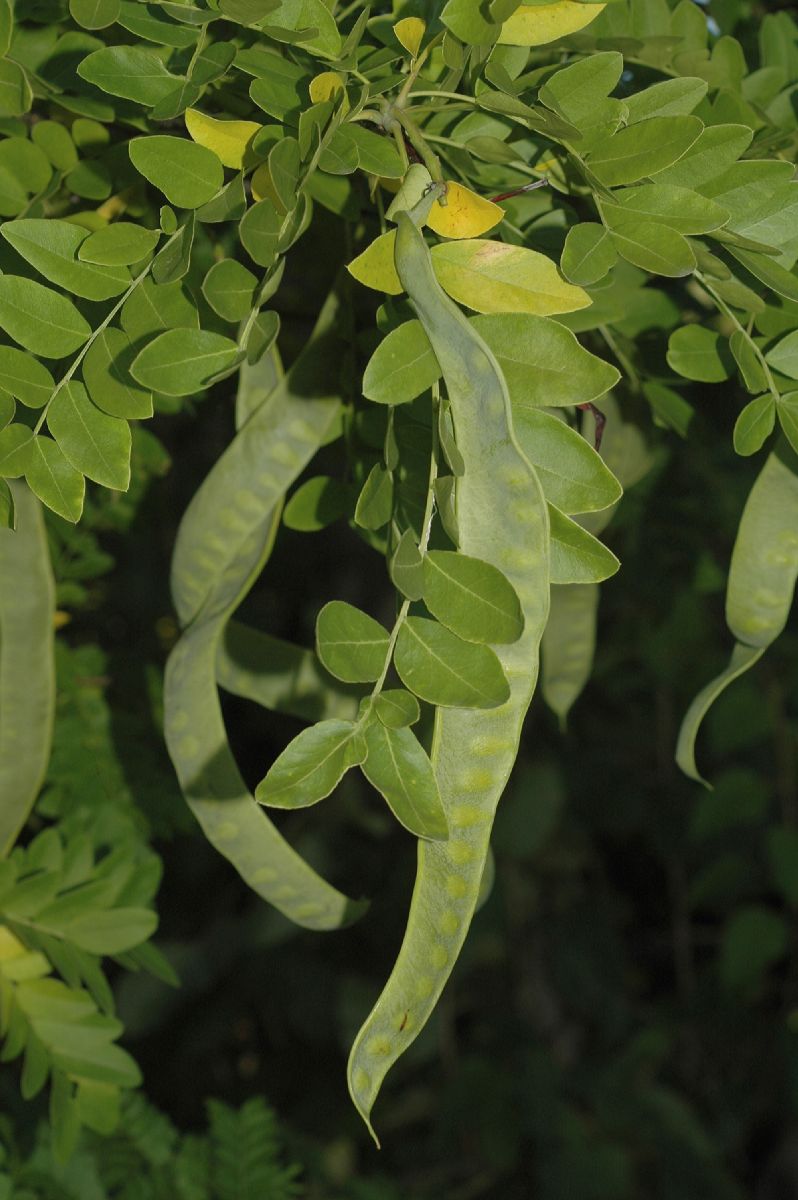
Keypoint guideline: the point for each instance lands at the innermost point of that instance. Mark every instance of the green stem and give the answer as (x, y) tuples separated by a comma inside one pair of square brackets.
[(79, 357), (417, 65), (729, 312), (420, 144), (426, 530), (626, 363)]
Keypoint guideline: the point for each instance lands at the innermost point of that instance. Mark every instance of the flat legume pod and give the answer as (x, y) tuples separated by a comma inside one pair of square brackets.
[(503, 520), (27, 671)]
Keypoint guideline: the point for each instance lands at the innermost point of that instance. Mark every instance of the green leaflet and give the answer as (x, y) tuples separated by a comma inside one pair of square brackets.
[(25, 377), (106, 374), (503, 521), (118, 245), (281, 676), (316, 504), (53, 479), (571, 473), (577, 556), (642, 149), (759, 593), (188, 175), (229, 288), (26, 654), (588, 253), (312, 765), (442, 668), (40, 319), (127, 71), (52, 247), (181, 361), (471, 598), (219, 553), (542, 362), (397, 765), (754, 425), (350, 644), (699, 353), (396, 708), (95, 443), (402, 367)]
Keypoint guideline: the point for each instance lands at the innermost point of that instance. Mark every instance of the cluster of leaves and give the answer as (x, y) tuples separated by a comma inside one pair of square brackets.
[(240, 1157), (158, 166)]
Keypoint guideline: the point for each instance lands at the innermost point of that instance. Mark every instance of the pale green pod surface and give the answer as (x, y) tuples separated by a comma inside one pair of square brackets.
[(764, 563), (503, 521), (759, 593), (27, 670), (569, 644), (281, 676), (212, 785), (742, 659), (196, 737), (273, 447)]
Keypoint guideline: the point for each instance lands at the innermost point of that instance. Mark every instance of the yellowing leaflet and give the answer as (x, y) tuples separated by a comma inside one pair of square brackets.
[(534, 25), (465, 215), (229, 140)]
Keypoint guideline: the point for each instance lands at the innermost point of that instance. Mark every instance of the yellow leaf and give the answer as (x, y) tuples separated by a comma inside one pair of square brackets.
[(410, 33), (465, 215), (10, 946), (325, 86), (534, 24), (375, 266), (263, 188), (229, 140), (494, 277)]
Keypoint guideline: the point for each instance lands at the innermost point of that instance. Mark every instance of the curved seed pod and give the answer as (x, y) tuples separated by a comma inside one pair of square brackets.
[(762, 575), (27, 670), (503, 520), (196, 738), (568, 646), (272, 448)]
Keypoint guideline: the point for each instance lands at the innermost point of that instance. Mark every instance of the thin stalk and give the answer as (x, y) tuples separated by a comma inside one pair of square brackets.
[(729, 312)]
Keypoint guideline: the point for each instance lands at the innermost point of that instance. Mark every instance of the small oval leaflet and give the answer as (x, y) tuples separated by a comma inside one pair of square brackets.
[(25, 377), (40, 319), (395, 708), (350, 644), (397, 765), (94, 442), (442, 668), (188, 175), (118, 245), (312, 765), (472, 598), (402, 367), (181, 361)]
